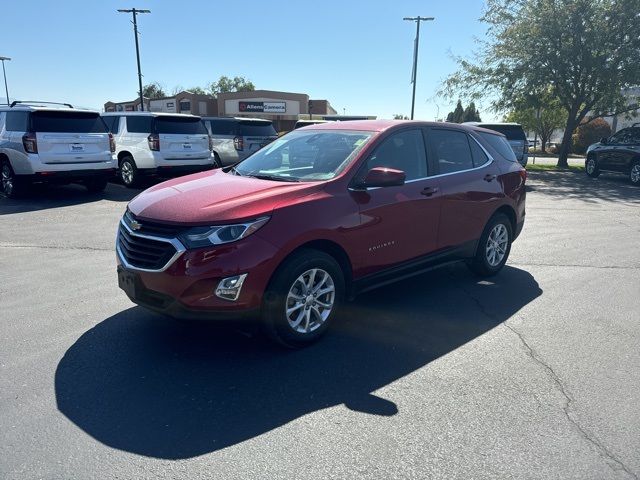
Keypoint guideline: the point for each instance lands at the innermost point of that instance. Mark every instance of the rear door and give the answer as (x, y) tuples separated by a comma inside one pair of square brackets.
[(469, 181), (68, 137), (182, 138), (256, 134)]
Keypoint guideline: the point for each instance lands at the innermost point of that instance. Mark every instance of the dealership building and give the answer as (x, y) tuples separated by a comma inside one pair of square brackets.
[(283, 108)]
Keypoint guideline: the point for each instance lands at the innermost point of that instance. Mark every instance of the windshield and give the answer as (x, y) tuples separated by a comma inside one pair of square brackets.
[(311, 155)]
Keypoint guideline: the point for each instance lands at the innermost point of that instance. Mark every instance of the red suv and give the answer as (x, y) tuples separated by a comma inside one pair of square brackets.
[(316, 217)]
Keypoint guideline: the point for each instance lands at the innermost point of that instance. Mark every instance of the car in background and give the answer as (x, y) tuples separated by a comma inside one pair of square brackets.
[(618, 153), (158, 144), (374, 202), (306, 123), (235, 138), (515, 136), (45, 142)]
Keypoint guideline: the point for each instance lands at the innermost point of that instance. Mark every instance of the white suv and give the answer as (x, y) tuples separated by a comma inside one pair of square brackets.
[(150, 143), (42, 142)]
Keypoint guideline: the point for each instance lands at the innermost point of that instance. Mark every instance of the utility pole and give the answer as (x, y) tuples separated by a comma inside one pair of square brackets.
[(414, 73), (135, 12), (4, 72)]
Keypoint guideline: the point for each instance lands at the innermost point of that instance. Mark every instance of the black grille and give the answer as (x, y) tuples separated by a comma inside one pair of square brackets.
[(151, 228), (143, 252)]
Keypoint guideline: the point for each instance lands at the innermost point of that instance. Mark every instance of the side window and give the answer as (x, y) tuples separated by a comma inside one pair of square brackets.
[(635, 136), (17, 121), (402, 151), (3, 117), (139, 124), (451, 149), (500, 145), (113, 123), (627, 136), (479, 157)]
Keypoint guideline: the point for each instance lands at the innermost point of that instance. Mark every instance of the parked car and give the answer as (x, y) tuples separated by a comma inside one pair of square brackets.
[(158, 144), (234, 139), (619, 153), (515, 136), (377, 201), (44, 142)]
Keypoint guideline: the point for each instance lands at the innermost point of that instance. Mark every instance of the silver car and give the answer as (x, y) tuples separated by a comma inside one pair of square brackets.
[(234, 139), (515, 136)]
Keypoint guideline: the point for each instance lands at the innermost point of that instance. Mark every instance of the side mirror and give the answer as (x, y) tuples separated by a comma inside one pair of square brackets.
[(383, 177), (604, 140)]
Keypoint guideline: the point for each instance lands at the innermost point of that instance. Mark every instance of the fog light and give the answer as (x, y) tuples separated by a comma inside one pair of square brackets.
[(229, 288)]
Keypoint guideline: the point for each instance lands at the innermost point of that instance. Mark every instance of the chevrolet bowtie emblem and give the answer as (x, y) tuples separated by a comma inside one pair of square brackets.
[(135, 225)]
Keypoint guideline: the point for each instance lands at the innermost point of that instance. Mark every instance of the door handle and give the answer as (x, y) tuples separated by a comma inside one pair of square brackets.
[(489, 177), (428, 191)]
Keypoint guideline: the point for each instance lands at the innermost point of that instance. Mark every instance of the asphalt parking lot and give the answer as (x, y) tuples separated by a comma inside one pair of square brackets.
[(534, 374)]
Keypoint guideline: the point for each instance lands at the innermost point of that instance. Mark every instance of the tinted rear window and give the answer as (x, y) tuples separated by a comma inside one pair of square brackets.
[(512, 132), (223, 127), (261, 129), (63, 122), (139, 124), (500, 145), (178, 125)]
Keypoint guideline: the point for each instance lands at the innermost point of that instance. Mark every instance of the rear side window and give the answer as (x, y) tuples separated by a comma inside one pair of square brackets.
[(628, 136), (261, 129), (17, 121), (451, 149), (500, 145), (179, 125), (223, 127), (64, 122), (139, 124), (512, 132), (479, 157), (113, 123)]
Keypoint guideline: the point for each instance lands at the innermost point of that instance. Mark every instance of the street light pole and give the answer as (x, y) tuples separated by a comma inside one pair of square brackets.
[(4, 72), (135, 12), (414, 74)]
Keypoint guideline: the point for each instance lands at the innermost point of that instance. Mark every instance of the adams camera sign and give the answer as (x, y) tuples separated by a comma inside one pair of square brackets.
[(262, 107)]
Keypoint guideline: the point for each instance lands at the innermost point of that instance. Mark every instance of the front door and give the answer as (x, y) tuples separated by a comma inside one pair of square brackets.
[(399, 223)]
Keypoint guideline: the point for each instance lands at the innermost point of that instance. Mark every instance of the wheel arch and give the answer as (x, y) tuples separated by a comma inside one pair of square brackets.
[(122, 154), (511, 215)]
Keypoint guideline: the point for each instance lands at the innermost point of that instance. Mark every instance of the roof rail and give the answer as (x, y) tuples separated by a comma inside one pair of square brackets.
[(38, 103)]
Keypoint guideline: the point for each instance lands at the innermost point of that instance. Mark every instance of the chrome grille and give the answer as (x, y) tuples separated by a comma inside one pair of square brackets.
[(144, 252)]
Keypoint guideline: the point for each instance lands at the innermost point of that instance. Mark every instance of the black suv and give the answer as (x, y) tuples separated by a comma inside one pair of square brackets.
[(618, 153)]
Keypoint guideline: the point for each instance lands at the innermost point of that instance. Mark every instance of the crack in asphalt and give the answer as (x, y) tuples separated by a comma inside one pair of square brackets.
[(614, 463), (56, 247)]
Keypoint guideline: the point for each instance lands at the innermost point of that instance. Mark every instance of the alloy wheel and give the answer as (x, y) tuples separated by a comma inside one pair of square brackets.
[(635, 173), (497, 244), (591, 165), (310, 300), (126, 173), (7, 179)]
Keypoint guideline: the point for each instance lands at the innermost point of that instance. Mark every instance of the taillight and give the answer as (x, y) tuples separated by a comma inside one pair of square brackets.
[(154, 142), (112, 143), (238, 143), (30, 142)]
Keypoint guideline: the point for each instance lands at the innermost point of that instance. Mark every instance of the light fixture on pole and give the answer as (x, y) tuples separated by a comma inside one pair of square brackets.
[(135, 12), (4, 72), (414, 73)]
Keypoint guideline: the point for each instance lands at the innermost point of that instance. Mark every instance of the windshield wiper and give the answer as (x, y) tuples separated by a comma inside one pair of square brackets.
[(276, 178)]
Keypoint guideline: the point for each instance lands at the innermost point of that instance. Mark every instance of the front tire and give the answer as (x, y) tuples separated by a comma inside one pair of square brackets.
[(591, 166), (634, 174), (302, 298), (128, 172), (494, 247)]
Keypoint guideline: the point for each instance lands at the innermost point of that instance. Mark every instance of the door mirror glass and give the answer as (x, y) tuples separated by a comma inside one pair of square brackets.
[(383, 177)]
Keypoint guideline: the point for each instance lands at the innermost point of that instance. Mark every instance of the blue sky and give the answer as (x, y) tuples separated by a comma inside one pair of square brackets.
[(356, 54)]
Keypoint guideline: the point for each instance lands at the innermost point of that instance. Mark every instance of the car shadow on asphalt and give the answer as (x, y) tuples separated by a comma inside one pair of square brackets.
[(56, 196), (148, 385), (577, 185)]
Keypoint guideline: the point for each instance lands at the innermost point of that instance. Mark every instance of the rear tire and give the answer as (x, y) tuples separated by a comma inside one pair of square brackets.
[(302, 298), (128, 172), (591, 166), (634, 173), (96, 185), (10, 185), (494, 246), (217, 161)]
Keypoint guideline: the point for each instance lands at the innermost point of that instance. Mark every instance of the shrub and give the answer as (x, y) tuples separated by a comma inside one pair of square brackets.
[(589, 133)]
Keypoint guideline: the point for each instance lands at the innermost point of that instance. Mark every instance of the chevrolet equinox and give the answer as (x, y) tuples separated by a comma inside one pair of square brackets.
[(317, 216)]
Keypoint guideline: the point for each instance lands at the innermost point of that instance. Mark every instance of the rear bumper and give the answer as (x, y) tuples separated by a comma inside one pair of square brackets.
[(68, 176)]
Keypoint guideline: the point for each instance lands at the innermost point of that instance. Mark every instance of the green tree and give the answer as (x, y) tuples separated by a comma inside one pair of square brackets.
[(535, 117), (457, 114), (588, 133), (583, 52), (471, 113), (235, 84), (197, 90), (153, 90)]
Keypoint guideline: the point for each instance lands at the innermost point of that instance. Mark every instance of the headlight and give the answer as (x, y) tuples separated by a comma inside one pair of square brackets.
[(217, 235)]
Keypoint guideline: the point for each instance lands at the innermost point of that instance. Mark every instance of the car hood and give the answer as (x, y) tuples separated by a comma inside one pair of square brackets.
[(215, 196)]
